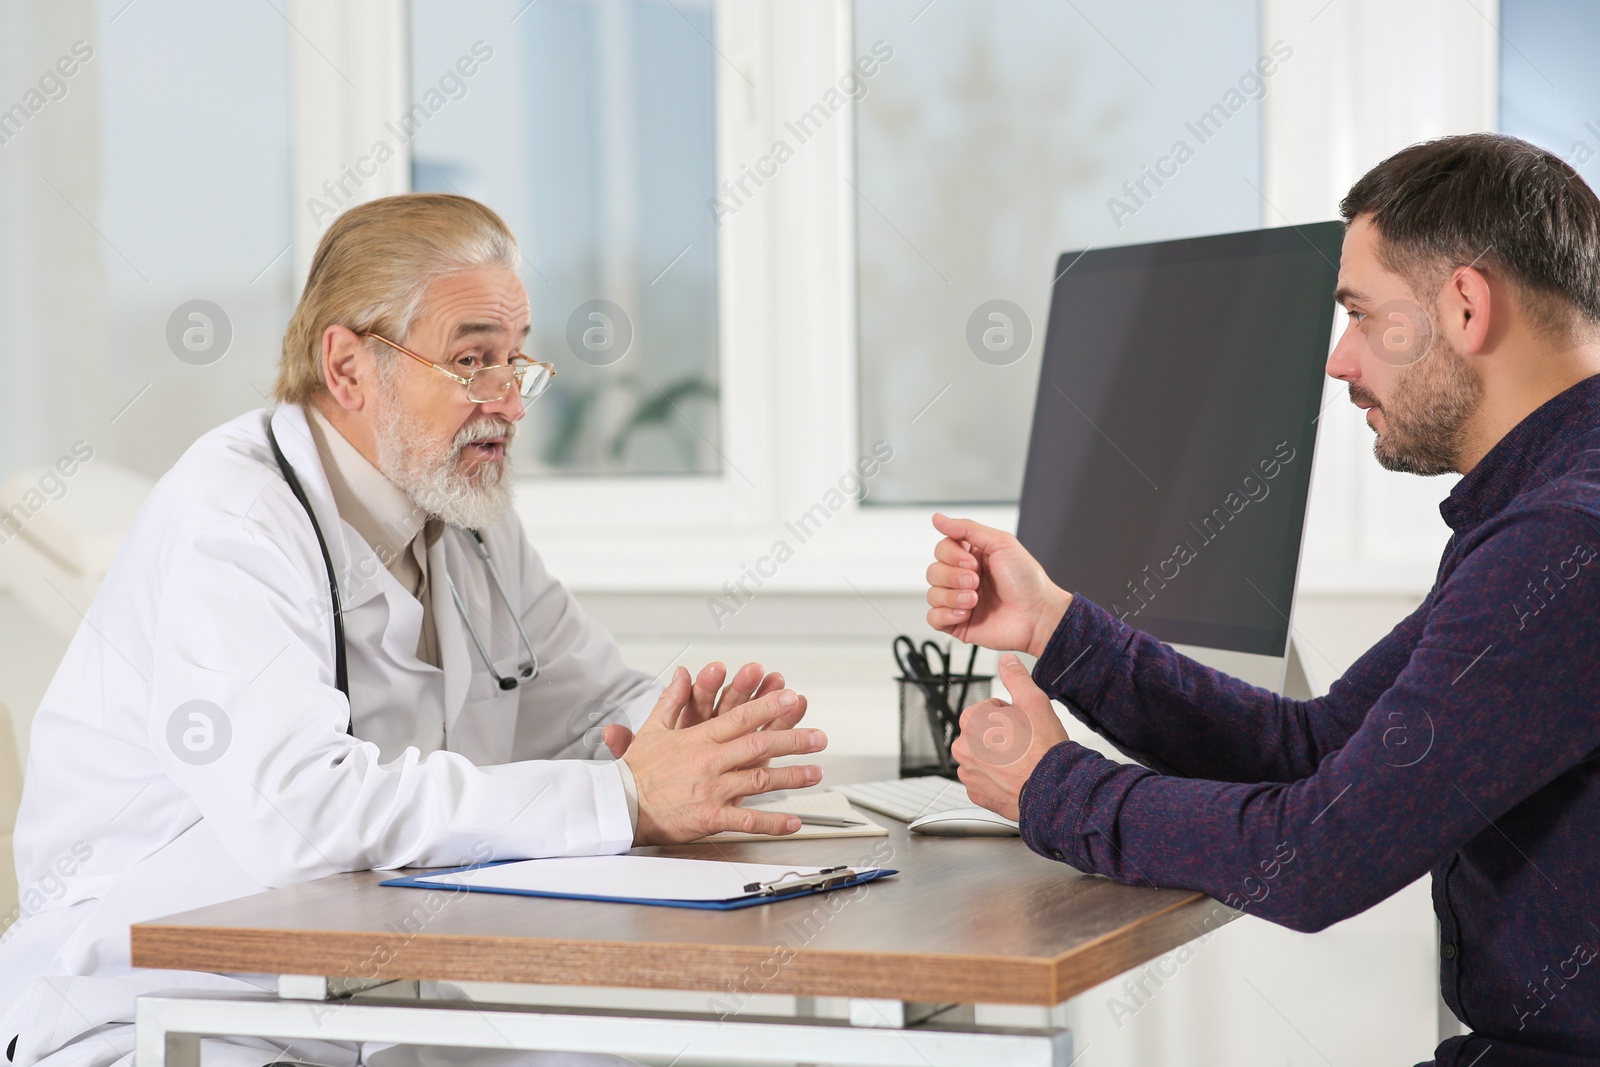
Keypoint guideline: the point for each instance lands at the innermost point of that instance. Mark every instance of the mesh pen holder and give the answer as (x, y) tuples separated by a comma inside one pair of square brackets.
[(919, 744)]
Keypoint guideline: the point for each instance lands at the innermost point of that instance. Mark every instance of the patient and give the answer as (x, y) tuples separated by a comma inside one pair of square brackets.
[(1466, 743)]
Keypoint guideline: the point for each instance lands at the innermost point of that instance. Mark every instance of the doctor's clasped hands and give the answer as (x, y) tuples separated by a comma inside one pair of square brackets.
[(694, 760)]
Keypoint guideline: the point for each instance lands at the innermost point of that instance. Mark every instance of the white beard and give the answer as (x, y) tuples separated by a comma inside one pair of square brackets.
[(432, 477)]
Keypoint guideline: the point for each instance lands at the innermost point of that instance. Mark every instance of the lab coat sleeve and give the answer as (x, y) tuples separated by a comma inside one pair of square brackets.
[(245, 717)]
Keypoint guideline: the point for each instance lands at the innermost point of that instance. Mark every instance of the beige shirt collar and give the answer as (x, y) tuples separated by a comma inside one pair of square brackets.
[(399, 532), (380, 512)]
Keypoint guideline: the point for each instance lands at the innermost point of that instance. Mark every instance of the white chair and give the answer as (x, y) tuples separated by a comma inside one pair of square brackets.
[(58, 534), (55, 546)]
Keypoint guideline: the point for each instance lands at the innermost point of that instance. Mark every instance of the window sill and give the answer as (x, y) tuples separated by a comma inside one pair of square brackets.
[(858, 549)]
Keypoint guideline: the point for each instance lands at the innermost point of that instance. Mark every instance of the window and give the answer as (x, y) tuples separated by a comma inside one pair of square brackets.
[(1546, 45), (590, 128), (147, 236), (997, 137), (841, 290)]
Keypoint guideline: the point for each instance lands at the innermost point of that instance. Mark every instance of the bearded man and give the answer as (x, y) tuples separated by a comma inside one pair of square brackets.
[(1466, 743), (327, 645)]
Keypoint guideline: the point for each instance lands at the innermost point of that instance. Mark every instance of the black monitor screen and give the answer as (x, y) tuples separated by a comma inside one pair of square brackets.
[(1170, 460)]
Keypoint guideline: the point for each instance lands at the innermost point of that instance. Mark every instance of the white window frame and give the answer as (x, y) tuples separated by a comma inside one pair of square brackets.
[(1349, 99), (788, 405)]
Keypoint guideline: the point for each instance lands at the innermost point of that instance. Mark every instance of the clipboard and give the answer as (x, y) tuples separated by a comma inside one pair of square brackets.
[(717, 885)]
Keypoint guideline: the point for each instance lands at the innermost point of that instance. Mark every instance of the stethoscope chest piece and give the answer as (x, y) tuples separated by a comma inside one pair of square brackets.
[(529, 669)]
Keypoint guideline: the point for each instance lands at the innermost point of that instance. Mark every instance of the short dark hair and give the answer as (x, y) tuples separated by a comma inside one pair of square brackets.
[(1492, 201)]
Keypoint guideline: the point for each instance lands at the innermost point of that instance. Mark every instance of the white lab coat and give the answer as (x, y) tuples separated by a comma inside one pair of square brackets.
[(219, 594)]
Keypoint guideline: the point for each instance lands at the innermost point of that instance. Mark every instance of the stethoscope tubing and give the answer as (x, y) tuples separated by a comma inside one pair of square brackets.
[(341, 671)]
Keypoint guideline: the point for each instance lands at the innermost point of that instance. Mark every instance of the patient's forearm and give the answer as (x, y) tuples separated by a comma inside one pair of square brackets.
[(1178, 716)]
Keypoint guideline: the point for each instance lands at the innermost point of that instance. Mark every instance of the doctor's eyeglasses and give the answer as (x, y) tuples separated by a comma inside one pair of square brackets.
[(493, 383)]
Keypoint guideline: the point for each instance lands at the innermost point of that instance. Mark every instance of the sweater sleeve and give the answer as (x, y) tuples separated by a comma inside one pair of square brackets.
[(1494, 702), (1180, 717)]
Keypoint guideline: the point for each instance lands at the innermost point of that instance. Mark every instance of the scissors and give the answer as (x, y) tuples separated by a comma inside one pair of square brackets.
[(917, 665)]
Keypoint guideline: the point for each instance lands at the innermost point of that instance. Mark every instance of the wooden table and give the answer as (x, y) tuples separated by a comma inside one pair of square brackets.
[(966, 921)]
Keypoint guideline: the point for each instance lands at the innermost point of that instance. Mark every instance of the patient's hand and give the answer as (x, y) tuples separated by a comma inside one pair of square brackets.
[(1001, 743), (985, 589), (709, 698), (692, 778)]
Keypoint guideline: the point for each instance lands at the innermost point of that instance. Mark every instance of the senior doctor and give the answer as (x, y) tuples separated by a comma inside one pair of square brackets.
[(211, 733)]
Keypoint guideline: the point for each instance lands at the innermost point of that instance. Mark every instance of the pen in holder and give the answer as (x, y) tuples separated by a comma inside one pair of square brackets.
[(925, 733)]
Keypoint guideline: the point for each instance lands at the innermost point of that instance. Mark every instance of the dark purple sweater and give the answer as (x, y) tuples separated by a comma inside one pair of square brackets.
[(1465, 744)]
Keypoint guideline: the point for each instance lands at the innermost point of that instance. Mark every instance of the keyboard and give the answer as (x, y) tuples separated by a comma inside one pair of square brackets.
[(907, 798)]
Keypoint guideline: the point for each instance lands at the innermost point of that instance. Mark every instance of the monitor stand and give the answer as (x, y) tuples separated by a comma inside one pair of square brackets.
[(1297, 684)]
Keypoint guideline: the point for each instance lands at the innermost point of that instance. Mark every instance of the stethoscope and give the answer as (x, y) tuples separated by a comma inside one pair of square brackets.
[(341, 675)]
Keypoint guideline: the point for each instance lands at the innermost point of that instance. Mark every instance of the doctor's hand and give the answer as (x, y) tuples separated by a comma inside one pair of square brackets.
[(985, 589), (691, 778), (708, 699), (1001, 743)]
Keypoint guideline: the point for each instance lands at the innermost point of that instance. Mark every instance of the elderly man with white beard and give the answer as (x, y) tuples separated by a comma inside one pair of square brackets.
[(327, 646)]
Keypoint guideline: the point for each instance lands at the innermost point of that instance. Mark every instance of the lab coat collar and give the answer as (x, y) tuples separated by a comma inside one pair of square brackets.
[(357, 584)]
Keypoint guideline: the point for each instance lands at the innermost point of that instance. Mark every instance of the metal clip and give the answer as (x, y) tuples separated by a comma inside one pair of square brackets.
[(827, 878)]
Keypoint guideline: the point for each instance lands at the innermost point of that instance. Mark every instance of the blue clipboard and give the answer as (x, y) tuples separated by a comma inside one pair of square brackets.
[(744, 900)]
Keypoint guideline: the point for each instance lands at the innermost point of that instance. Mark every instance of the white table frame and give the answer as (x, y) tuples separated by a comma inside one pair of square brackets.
[(879, 1033)]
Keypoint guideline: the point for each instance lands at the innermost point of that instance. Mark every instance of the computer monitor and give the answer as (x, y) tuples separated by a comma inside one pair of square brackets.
[(1170, 459)]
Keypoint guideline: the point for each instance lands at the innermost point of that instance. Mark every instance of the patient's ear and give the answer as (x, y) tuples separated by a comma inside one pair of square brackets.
[(1468, 311), (347, 367)]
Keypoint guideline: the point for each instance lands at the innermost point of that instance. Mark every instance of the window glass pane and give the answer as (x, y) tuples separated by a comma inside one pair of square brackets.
[(152, 205), (1546, 44), (589, 127), (997, 137), (197, 198)]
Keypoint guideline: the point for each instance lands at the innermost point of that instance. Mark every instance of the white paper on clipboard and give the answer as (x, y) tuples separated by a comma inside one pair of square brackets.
[(643, 878)]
